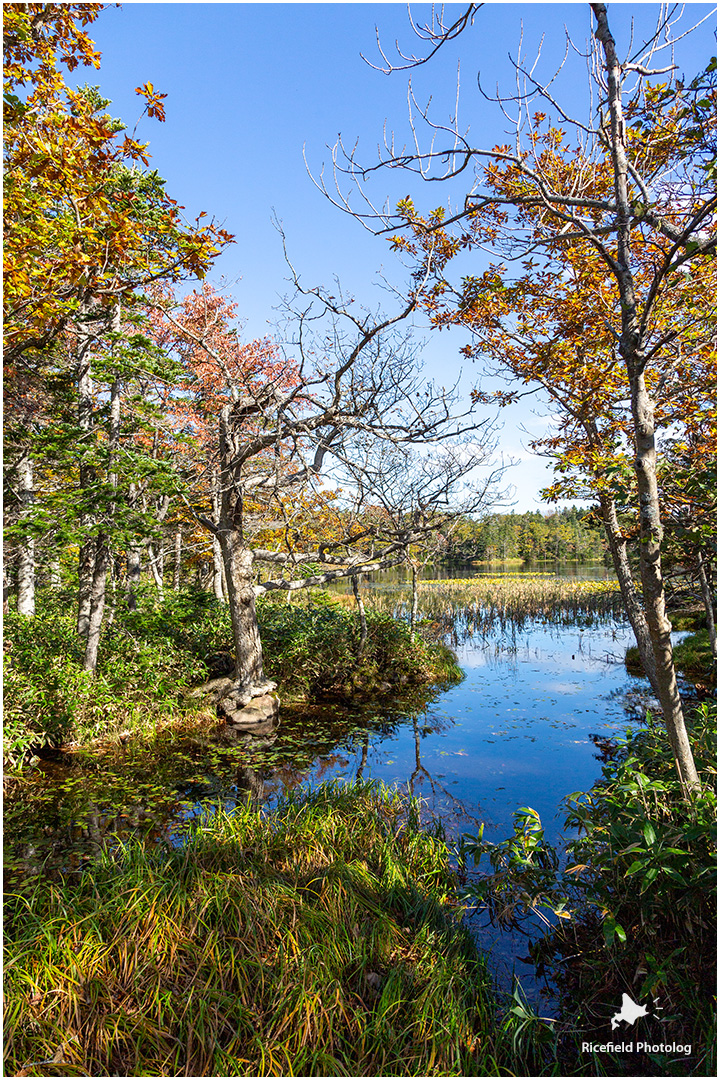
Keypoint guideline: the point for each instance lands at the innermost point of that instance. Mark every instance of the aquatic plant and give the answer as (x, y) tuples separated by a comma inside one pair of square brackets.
[(462, 607)]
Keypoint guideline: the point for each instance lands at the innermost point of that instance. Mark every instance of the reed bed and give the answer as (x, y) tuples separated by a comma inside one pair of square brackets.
[(484, 605), (319, 940)]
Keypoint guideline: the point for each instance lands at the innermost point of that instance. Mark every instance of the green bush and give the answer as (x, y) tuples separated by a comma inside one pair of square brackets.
[(149, 658), (637, 899), (313, 649)]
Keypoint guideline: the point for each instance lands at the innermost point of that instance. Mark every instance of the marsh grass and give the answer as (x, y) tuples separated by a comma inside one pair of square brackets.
[(506, 602), (318, 940)]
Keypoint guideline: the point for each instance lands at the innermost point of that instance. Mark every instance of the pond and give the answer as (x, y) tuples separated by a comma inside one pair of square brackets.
[(517, 731)]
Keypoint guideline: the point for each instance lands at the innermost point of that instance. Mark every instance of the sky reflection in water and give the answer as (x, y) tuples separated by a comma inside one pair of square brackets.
[(513, 733)]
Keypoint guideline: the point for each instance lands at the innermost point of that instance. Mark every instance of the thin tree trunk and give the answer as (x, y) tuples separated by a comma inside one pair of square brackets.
[(86, 553), (134, 567), (220, 588), (630, 346), (155, 564), (217, 575), (26, 550), (414, 605), (361, 612), (178, 557), (631, 601), (707, 601), (97, 603), (55, 578)]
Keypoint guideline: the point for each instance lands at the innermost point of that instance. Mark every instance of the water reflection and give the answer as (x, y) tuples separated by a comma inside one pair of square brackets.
[(540, 699)]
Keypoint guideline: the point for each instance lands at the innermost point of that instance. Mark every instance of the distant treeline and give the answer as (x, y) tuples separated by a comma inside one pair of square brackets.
[(564, 535)]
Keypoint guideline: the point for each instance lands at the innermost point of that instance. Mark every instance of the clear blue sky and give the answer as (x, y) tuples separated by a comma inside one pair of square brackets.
[(249, 85)]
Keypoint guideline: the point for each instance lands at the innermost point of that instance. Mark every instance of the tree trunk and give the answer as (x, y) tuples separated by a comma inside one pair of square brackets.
[(26, 550), (219, 578), (249, 677), (55, 578), (218, 570), (653, 586), (249, 673), (155, 564), (97, 603), (631, 600), (707, 601), (643, 415), (361, 613), (414, 604), (86, 553), (134, 567), (178, 558)]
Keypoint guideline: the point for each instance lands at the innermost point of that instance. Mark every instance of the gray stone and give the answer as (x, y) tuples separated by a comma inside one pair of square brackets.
[(259, 713)]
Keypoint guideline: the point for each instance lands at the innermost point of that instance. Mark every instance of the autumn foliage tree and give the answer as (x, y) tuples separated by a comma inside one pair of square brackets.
[(87, 225), (287, 417), (614, 219)]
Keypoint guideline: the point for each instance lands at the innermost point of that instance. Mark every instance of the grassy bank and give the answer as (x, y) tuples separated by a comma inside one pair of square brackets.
[(151, 658), (318, 940), (693, 657)]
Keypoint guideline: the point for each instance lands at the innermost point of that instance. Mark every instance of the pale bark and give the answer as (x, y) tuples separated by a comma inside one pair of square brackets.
[(631, 601), (86, 553), (249, 676), (361, 613), (134, 568), (218, 571), (55, 579), (630, 346), (26, 549), (707, 601), (97, 603), (414, 602), (249, 673), (178, 559), (219, 581), (155, 563)]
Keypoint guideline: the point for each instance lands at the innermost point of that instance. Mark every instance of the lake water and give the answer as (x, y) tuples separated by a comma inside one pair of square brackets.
[(515, 732)]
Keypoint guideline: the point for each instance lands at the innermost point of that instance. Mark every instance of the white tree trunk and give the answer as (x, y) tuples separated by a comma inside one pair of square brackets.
[(361, 612), (26, 550), (178, 558)]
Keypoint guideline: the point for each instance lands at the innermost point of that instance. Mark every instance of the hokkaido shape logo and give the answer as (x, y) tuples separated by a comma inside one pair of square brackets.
[(630, 1012)]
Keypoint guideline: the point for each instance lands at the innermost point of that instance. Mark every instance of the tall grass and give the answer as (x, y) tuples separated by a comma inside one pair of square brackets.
[(317, 941), (482, 605)]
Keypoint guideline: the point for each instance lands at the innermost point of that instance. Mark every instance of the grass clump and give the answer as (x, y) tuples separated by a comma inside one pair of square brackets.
[(312, 649), (317, 940)]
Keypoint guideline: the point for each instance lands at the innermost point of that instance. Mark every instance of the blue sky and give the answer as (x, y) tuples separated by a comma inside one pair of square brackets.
[(250, 85)]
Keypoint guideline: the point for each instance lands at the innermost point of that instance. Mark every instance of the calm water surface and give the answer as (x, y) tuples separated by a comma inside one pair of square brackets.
[(516, 732)]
